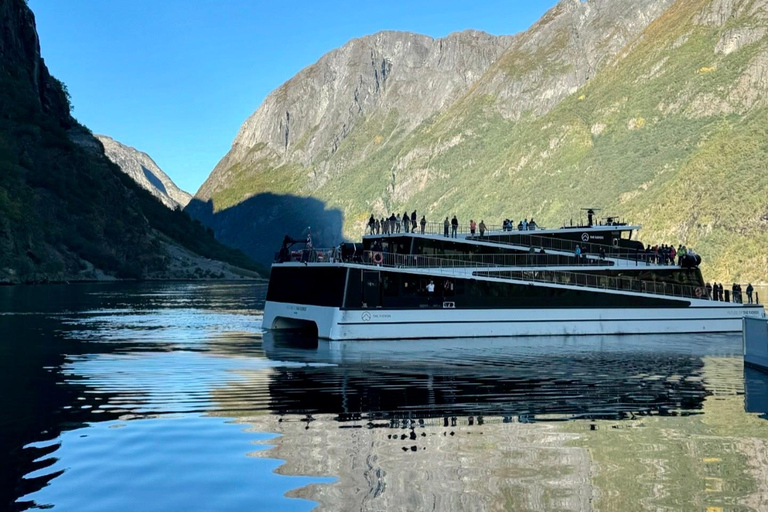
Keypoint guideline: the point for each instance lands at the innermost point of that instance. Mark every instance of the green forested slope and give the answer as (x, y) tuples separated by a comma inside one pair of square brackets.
[(670, 133), (66, 212)]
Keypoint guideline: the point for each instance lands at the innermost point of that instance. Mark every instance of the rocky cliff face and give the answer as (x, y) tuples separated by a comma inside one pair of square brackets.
[(654, 109), (408, 76), (562, 51), (144, 171)]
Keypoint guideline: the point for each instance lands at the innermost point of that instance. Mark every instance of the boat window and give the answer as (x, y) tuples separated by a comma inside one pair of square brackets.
[(391, 283)]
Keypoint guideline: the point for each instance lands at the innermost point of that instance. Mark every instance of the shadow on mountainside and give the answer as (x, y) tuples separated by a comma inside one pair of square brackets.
[(257, 225)]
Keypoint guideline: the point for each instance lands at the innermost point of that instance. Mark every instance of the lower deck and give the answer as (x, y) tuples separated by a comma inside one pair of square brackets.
[(337, 324), (344, 301)]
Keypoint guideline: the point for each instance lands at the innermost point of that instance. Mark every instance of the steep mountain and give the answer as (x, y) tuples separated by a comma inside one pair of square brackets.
[(654, 109), (144, 171), (66, 211)]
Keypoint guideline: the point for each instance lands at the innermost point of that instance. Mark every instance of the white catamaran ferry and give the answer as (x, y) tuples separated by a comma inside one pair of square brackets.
[(574, 280)]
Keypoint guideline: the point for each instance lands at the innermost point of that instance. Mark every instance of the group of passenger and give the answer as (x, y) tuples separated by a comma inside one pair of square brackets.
[(667, 254), (523, 225), (408, 224), (716, 292), (394, 224)]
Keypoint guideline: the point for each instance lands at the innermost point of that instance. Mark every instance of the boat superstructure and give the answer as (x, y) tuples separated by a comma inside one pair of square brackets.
[(574, 280)]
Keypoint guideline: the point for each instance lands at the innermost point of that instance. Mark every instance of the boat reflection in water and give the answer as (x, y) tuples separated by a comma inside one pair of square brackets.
[(478, 424), (589, 376)]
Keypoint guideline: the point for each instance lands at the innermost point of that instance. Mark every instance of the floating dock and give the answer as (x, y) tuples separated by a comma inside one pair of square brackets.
[(755, 336)]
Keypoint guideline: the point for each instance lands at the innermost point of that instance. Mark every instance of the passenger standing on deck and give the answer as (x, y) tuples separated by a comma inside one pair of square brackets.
[(525, 224), (385, 226), (371, 225), (482, 228), (376, 226), (733, 293), (431, 289), (454, 226), (406, 223), (750, 289), (446, 226), (472, 227), (709, 289), (578, 253), (413, 221), (423, 223)]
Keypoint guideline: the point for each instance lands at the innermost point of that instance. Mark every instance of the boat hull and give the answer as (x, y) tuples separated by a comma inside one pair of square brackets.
[(338, 324)]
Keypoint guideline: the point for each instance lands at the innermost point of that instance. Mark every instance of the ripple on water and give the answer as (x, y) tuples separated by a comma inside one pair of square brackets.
[(146, 387), (185, 463)]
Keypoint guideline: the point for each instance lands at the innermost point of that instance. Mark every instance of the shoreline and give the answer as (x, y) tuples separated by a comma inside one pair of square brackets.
[(115, 281)]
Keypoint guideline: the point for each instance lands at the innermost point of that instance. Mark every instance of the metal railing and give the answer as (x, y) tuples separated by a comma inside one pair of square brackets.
[(531, 259), (490, 266), (438, 228), (602, 282), (497, 235)]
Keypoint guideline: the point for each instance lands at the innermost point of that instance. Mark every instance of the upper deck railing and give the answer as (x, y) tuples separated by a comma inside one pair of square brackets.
[(528, 239), (489, 266), (438, 228)]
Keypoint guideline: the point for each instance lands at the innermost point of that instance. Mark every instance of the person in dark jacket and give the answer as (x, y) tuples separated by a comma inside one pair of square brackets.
[(423, 223), (750, 290), (413, 221), (709, 291), (446, 226), (371, 225), (454, 226), (406, 223)]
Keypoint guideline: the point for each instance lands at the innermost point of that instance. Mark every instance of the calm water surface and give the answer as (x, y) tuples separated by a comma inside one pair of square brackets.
[(169, 397)]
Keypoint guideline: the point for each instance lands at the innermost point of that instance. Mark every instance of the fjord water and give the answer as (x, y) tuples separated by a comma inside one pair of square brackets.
[(169, 397)]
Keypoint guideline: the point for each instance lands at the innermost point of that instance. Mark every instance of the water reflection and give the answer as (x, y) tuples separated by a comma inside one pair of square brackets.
[(169, 397), (590, 376)]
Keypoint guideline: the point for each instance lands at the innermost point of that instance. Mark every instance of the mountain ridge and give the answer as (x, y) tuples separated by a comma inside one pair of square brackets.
[(144, 171), (653, 109)]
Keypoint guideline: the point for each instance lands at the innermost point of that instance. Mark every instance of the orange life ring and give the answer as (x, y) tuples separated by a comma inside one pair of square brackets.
[(378, 257), (699, 292)]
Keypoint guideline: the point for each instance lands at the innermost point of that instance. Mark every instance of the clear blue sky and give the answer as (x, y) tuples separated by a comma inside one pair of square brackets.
[(177, 78)]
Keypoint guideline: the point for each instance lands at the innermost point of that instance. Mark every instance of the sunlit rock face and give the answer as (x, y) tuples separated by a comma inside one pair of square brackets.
[(144, 171), (652, 109)]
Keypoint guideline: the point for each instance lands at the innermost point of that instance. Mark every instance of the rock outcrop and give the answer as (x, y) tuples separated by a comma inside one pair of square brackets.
[(144, 171)]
